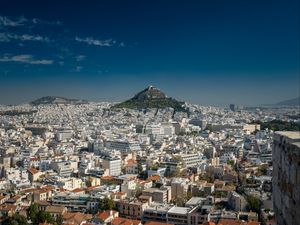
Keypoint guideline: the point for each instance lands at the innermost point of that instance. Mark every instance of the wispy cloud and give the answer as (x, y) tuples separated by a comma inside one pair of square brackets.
[(7, 37), (97, 42), (80, 58), (7, 22), (28, 59), (44, 22), (78, 68), (22, 21)]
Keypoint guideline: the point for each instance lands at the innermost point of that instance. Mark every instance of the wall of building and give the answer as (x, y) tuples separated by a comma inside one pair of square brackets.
[(286, 177)]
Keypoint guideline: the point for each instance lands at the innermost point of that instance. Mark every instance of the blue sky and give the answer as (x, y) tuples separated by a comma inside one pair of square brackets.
[(206, 52)]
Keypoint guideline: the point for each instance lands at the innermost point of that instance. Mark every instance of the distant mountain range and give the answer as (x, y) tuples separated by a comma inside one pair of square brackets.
[(290, 102), (151, 97), (56, 100)]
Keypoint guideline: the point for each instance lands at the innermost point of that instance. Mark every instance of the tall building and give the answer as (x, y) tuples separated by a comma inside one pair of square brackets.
[(237, 201), (179, 187), (232, 107), (64, 134), (123, 146), (286, 177), (113, 165), (190, 160)]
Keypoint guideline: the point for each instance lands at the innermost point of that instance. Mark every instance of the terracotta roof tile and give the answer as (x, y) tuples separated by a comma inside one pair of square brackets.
[(33, 170)]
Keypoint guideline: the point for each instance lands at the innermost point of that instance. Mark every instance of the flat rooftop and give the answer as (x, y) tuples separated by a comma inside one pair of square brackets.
[(179, 210), (151, 190), (155, 206), (195, 201)]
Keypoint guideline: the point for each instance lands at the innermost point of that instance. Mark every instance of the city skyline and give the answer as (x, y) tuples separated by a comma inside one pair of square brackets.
[(203, 53)]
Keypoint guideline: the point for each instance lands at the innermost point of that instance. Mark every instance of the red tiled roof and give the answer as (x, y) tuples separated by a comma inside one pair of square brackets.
[(105, 214), (124, 221), (253, 223), (107, 178), (8, 207), (76, 218), (230, 222), (92, 187), (34, 159), (209, 223), (157, 223), (131, 162), (76, 190), (154, 178), (48, 187), (33, 170)]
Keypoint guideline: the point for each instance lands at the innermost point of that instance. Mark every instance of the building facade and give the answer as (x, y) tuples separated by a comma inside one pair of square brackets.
[(286, 177)]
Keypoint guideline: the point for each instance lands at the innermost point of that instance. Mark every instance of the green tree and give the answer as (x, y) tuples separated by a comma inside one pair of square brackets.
[(175, 173), (16, 219), (59, 220), (110, 204), (88, 183), (42, 217), (45, 217), (262, 170), (179, 201), (140, 168), (189, 195), (254, 203), (231, 163), (33, 211), (106, 204)]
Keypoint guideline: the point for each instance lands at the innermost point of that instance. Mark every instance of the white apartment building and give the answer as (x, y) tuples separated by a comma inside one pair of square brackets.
[(15, 174), (70, 183), (190, 160), (63, 134), (122, 145), (63, 168), (237, 201), (227, 157), (113, 165), (167, 129), (179, 187)]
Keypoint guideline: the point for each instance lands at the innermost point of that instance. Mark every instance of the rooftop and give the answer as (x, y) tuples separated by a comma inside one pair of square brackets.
[(179, 210), (195, 201), (155, 206)]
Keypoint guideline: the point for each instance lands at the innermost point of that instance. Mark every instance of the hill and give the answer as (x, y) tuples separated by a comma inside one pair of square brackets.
[(56, 100), (290, 102), (151, 97)]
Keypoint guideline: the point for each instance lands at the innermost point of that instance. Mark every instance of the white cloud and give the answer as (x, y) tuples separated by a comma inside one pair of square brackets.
[(7, 22), (7, 37), (80, 58), (26, 37), (97, 42), (122, 44), (22, 21), (44, 22), (28, 59), (78, 68)]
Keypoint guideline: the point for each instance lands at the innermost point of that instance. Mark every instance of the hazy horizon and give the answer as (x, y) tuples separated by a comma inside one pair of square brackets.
[(223, 104)]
